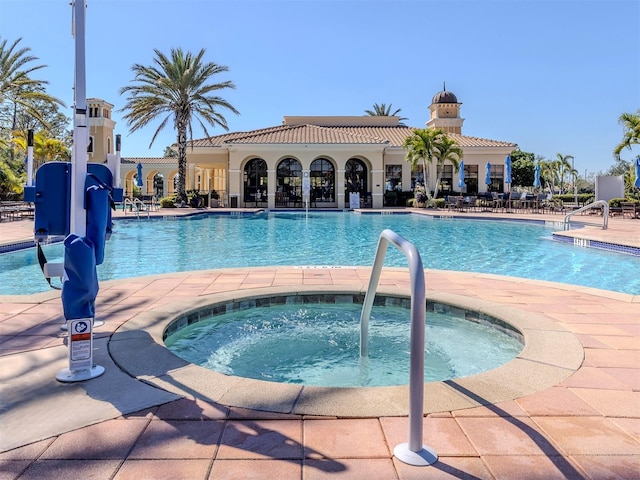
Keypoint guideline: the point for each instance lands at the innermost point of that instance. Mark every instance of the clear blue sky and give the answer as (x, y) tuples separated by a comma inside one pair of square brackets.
[(551, 76)]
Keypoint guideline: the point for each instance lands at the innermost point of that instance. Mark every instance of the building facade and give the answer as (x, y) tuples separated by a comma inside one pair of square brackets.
[(319, 162)]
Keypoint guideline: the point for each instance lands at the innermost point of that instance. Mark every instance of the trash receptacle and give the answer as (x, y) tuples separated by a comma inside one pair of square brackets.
[(234, 201)]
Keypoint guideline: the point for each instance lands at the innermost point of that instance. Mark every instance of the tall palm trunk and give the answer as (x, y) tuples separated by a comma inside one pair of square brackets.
[(436, 189), (182, 157), (427, 190)]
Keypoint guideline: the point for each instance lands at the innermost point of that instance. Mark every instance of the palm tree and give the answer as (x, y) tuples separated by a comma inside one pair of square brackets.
[(549, 172), (420, 147), (631, 125), (177, 87), (427, 145), (446, 149), (17, 86), (45, 148), (384, 110), (10, 181), (564, 168)]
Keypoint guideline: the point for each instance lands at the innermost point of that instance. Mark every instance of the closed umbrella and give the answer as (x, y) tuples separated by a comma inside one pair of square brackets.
[(139, 179), (637, 182), (487, 174), (507, 170), (461, 183), (536, 176)]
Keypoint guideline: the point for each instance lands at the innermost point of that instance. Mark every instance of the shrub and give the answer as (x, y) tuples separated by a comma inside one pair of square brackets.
[(583, 198), (615, 202), (420, 194), (168, 202)]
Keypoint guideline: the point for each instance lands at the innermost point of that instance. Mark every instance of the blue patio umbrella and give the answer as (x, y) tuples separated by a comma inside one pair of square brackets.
[(536, 176), (139, 179), (507, 170), (637, 182), (487, 174), (461, 183)]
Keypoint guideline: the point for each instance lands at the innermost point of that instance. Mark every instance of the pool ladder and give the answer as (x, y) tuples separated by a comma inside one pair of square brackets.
[(597, 204), (136, 206), (413, 452)]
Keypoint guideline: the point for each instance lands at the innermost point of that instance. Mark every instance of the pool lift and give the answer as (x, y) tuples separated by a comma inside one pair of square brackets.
[(74, 200), (413, 452)]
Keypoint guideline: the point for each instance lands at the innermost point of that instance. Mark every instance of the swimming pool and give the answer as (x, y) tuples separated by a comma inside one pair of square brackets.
[(335, 238)]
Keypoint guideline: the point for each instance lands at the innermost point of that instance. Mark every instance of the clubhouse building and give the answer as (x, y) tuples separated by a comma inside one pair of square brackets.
[(327, 161)]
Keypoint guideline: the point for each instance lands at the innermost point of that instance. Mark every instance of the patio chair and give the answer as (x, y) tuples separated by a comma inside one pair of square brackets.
[(451, 202), (470, 203), (537, 202), (498, 202), (628, 209), (518, 200)]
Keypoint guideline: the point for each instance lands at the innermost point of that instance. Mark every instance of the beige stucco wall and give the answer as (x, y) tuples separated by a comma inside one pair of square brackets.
[(222, 169)]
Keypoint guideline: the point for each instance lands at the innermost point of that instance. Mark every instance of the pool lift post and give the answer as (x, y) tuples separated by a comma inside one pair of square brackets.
[(413, 452), (80, 285), (30, 157)]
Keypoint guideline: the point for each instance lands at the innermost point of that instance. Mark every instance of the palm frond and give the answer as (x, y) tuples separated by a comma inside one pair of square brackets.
[(179, 88)]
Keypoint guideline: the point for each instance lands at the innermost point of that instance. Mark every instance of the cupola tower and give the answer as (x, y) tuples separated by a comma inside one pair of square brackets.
[(445, 112)]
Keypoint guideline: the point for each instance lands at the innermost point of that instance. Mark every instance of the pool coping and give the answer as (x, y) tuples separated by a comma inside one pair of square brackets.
[(551, 354)]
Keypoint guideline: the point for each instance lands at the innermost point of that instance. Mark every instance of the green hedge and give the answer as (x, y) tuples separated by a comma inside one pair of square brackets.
[(583, 198), (615, 202), (168, 202)]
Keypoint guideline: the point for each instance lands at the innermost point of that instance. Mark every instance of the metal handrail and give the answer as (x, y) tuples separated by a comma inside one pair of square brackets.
[(605, 213), (413, 452), (137, 206)]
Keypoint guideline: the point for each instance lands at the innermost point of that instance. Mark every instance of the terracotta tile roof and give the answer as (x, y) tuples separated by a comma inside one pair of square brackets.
[(150, 160), (309, 134), (466, 141), (313, 134), (220, 140)]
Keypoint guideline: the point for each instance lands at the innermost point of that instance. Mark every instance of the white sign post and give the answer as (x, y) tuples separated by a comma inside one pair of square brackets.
[(80, 348)]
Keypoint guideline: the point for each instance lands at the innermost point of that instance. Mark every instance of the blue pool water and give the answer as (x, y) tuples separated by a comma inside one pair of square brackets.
[(319, 344), (219, 241)]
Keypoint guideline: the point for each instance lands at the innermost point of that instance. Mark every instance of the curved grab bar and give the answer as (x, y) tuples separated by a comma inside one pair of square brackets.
[(137, 206), (418, 294), (605, 213), (413, 452)]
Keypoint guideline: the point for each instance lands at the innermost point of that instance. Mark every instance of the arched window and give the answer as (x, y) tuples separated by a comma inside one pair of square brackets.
[(255, 182), (355, 178), (323, 181), (289, 183)]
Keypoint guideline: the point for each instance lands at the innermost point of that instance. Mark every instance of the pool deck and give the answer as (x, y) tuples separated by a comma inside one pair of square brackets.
[(567, 407)]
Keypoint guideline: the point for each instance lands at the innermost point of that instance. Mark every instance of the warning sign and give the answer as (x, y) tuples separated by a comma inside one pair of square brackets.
[(80, 344)]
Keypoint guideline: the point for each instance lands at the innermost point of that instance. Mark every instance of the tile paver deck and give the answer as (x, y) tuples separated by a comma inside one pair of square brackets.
[(584, 425)]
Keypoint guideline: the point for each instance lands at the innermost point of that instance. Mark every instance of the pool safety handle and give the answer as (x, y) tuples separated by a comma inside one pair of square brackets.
[(413, 452)]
